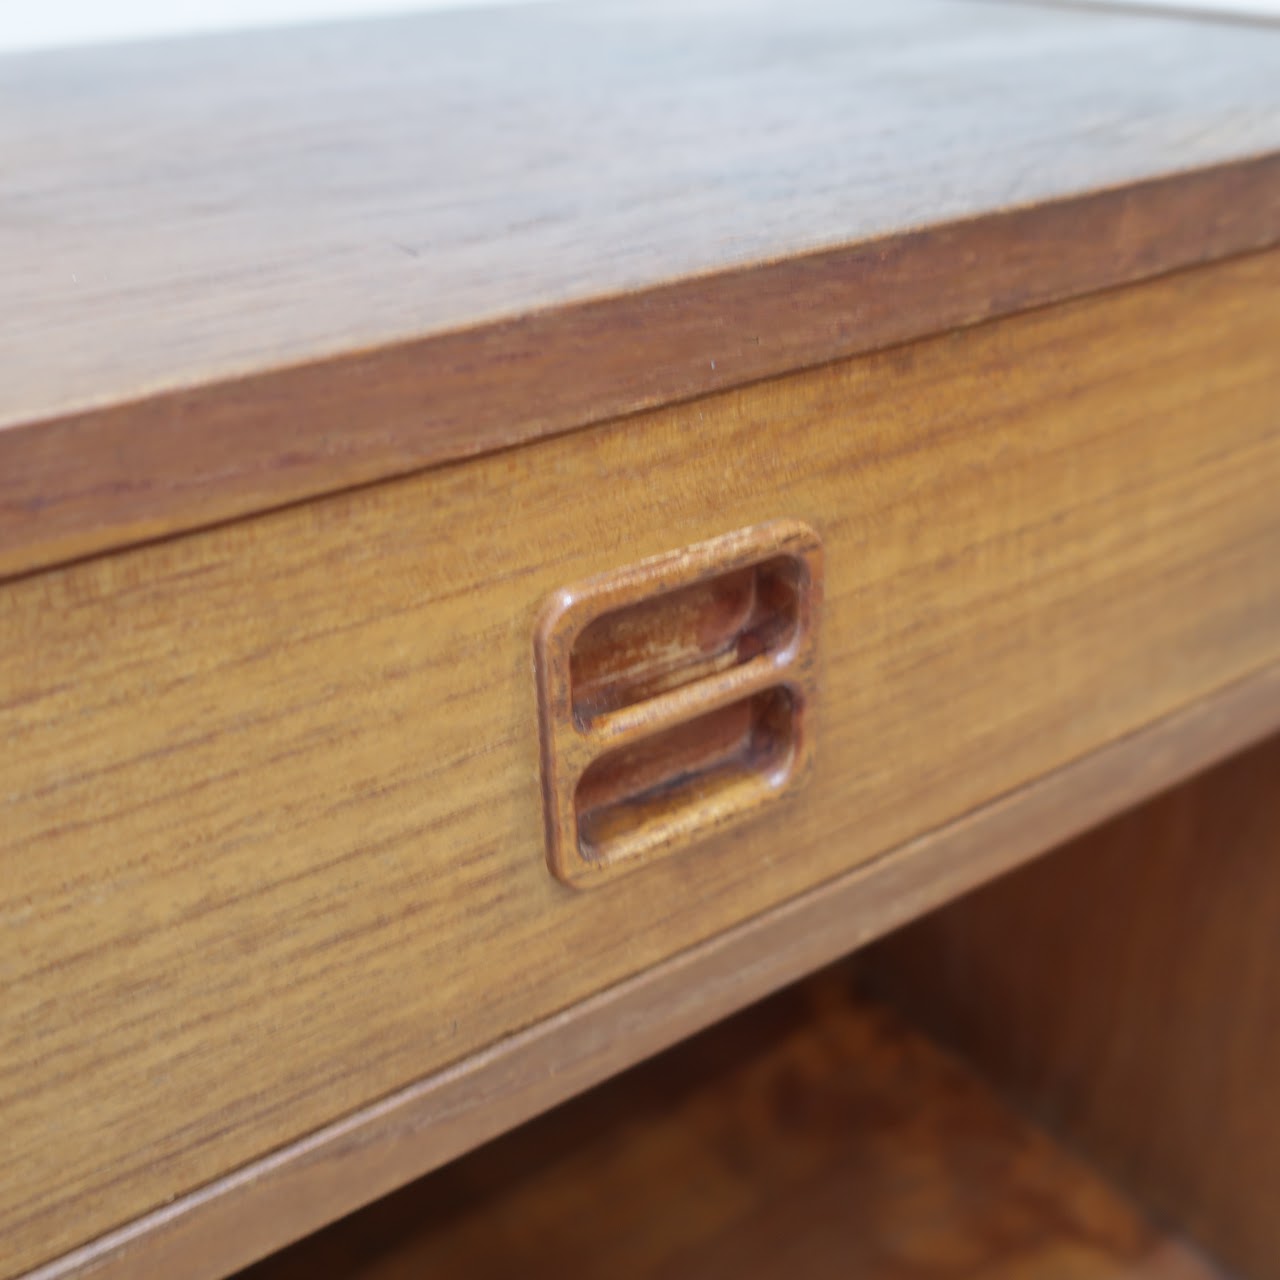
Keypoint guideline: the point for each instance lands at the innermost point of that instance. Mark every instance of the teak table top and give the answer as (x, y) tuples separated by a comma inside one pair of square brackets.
[(240, 271)]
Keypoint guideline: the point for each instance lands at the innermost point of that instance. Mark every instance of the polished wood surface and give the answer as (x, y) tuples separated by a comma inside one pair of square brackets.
[(816, 1136), (271, 844), (240, 271), (307, 1184), (1128, 989)]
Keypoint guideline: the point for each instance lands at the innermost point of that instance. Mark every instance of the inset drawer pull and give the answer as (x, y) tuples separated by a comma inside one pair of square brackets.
[(675, 696)]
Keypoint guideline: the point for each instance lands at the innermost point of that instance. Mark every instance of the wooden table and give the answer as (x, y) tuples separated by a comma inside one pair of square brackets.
[(522, 535)]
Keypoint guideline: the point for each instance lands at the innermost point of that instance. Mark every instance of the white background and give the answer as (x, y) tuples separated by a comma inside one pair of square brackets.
[(36, 24), (31, 24)]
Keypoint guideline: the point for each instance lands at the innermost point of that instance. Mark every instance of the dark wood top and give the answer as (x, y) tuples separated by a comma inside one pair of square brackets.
[(241, 271)]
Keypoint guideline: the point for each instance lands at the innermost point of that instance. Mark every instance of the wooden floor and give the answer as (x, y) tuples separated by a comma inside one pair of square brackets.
[(816, 1135)]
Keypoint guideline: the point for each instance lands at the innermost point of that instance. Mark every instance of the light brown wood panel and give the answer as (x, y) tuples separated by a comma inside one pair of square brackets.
[(301, 1187), (271, 835), (815, 1136), (239, 271), (1128, 988)]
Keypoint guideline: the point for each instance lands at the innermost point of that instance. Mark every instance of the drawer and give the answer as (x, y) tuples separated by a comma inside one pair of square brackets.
[(272, 842)]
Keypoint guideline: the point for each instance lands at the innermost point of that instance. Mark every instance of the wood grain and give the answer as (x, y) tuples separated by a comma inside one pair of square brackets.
[(815, 1136), (1127, 989), (301, 1187), (242, 271), (271, 846)]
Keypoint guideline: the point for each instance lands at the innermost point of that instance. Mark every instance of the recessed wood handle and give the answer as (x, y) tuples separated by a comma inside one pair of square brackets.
[(675, 696)]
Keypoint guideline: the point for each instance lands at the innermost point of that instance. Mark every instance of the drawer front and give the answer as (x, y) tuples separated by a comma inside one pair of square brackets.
[(272, 840)]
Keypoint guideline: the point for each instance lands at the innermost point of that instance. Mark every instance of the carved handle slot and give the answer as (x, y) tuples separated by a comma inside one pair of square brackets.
[(675, 696)]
